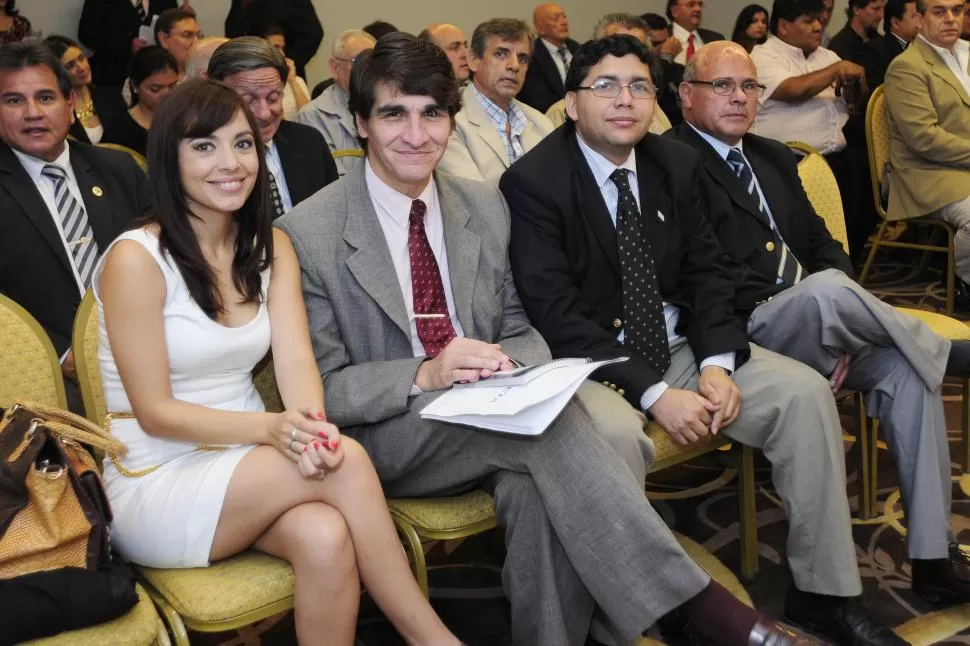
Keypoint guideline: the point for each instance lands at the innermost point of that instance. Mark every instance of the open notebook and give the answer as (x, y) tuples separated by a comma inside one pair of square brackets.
[(523, 401)]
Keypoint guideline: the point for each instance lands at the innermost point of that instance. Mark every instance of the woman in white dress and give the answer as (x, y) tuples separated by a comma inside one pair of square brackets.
[(189, 303)]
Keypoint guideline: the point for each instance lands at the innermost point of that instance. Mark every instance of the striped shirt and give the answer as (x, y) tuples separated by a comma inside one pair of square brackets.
[(499, 118)]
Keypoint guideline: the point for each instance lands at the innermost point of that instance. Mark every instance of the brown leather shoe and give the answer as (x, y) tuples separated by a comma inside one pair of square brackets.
[(769, 633)]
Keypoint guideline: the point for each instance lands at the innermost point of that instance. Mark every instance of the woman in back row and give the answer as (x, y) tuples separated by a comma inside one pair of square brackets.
[(751, 27)]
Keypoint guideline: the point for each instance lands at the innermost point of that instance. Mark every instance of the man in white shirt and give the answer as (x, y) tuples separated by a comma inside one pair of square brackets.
[(928, 101), (452, 41), (62, 203), (493, 129), (685, 20), (296, 155), (328, 113), (551, 56), (408, 290), (807, 89)]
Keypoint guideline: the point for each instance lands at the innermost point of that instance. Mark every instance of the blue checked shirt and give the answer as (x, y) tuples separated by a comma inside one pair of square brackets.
[(499, 118)]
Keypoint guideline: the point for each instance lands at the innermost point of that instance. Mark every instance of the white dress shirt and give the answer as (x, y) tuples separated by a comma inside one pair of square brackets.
[(817, 121), (682, 35), (602, 168), (554, 52), (45, 186), (958, 60), (275, 166), (393, 213)]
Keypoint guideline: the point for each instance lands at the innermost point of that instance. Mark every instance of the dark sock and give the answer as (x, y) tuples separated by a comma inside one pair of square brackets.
[(719, 616)]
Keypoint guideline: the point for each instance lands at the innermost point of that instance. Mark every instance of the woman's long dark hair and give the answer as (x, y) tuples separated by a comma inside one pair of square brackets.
[(197, 109), (745, 18)]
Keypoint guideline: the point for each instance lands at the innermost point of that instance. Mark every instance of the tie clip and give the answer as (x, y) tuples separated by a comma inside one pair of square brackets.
[(80, 241), (430, 316)]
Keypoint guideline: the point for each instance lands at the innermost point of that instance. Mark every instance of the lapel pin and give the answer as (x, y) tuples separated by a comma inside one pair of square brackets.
[(97, 191), (661, 216)]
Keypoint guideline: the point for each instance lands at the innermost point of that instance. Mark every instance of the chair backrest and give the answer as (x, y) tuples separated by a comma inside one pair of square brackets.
[(877, 143), (264, 377), (137, 156), (30, 369), (86, 340), (822, 190)]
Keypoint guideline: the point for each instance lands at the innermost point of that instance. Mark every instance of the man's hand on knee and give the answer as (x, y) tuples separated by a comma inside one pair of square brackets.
[(716, 385), (684, 415)]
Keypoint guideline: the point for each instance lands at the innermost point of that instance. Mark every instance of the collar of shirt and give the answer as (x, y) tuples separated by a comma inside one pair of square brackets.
[(682, 34), (34, 165), (602, 168), (554, 51), (333, 100), (719, 146), (498, 116), (960, 49), (901, 41), (791, 51), (396, 205)]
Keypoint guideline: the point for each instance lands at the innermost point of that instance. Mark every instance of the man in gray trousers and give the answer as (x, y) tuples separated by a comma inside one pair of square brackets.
[(797, 291), (408, 290)]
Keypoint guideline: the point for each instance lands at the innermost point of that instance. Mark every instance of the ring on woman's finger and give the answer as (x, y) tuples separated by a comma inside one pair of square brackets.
[(292, 434), (292, 450)]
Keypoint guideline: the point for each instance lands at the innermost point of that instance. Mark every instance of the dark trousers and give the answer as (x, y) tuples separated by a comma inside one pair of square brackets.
[(851, 168)]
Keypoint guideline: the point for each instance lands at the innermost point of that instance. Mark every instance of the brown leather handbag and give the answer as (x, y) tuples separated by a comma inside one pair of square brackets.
[(53, 509)]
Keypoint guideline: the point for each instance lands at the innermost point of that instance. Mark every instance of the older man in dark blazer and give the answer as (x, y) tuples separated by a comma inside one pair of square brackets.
[(552, 52), (613, 258), (393, 238), (111, 29), (62, 204), (797, 292)]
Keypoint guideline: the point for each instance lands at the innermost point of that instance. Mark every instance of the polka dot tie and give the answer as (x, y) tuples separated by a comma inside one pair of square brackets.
[(430, 306), (645, 328), (276, 198)]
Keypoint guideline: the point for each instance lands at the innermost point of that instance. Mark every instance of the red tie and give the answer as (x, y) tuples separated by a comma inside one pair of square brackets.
[(690, 47), (427, 291)]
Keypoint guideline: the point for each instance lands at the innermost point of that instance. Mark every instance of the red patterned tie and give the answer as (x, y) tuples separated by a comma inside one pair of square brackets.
[(430, 306), (690, 47)]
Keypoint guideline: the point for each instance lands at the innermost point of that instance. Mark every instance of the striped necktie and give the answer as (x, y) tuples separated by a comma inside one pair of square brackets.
[(789, 270), (74, 222), (142, 14)]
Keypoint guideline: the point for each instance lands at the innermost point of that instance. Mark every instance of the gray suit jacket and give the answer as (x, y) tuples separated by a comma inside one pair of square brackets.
[(358, 319)]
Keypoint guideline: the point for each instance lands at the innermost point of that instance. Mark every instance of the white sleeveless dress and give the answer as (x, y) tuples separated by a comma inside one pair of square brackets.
[(167, 518)]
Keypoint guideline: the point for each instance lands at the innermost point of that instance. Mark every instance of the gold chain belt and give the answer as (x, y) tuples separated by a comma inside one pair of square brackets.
[(110, 417)]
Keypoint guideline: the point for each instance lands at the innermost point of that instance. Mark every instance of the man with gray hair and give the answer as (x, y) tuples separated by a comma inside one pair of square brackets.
[(328, 113), (494, 129), (452, 42), (197, 60), (296, 155)]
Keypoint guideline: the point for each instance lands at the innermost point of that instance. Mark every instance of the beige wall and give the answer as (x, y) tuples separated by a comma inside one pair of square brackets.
[(61, 16)]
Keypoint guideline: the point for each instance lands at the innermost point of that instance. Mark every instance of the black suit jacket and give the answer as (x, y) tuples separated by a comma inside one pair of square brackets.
[(305, 158), (108, 27), (35, 270), (744, 233), (877, 57), (543, 86), (565, 262), (298, 18), (709, 35)]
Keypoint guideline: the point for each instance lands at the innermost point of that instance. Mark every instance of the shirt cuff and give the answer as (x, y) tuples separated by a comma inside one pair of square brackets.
[(653, 393), (415, 391), (725, 361)]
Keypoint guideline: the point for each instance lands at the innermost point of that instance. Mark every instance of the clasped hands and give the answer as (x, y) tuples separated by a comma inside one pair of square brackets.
[(305, 437), (688, 416), (462, 360)]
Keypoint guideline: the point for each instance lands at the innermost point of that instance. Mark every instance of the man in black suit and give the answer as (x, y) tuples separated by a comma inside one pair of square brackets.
[(796, 292), (299, 20), (110, 28), (61, 204), (552, 52), (685, 19), (612, 257), (900, 25), (297, 156)]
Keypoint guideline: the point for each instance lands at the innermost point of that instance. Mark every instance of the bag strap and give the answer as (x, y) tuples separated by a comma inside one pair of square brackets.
[(67, 424)]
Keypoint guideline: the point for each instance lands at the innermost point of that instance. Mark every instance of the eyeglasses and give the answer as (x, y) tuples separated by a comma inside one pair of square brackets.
[(726, 87), (607, 89)]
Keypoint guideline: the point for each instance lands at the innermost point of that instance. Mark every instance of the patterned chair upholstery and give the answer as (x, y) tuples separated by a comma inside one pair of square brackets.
[(230, 594), (137, 156), (30, 371), (820, 185), (877, 141)]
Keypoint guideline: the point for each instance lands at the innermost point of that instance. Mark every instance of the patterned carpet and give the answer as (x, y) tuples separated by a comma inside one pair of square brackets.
[(465, 577)]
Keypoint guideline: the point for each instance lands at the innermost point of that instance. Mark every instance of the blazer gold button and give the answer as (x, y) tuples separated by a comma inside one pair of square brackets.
[(621, 392), (770, 246), (613, 386), (617, 323), (606, 383), (97, 191)]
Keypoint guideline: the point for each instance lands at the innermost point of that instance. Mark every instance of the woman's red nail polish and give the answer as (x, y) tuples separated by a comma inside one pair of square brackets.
[(332, 445), (321, 416), (323, 435)]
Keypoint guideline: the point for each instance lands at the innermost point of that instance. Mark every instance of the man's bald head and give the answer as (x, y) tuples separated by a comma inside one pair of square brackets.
[(720, 91), (551, 23), (452, 40), (197, 60)]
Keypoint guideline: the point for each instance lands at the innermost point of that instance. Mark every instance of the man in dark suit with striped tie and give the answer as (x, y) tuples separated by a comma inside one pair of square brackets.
[(61, 204), (797, 292)]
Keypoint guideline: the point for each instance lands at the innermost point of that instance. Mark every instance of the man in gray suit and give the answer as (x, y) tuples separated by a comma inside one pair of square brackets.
[(408, 290)]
